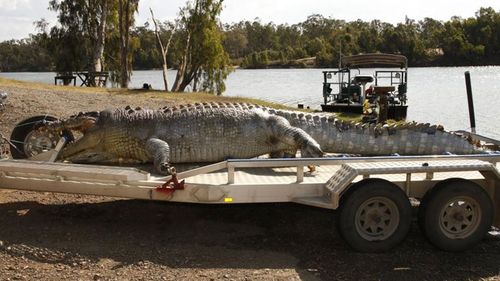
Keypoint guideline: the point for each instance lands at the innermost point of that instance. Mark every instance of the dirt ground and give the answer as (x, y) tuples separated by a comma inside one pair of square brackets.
[(47, 236)]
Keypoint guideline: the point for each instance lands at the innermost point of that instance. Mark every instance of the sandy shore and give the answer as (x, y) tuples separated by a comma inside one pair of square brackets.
[(45, 236)]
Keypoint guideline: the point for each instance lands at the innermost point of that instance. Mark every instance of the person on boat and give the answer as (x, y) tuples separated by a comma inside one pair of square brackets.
[(367, 109), (370, 91)]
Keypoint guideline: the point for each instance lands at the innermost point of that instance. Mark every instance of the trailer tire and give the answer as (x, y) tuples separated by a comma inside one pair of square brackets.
[(374, 216), (455, 215), (24, 140)]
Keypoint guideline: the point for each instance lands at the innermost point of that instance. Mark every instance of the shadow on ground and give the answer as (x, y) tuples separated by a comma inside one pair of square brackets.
[(225, 236)]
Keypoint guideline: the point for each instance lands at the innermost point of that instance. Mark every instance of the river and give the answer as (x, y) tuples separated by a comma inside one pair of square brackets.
[(435, 95)]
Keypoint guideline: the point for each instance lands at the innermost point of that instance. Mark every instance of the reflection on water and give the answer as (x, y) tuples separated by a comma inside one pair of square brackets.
[(435, 95)]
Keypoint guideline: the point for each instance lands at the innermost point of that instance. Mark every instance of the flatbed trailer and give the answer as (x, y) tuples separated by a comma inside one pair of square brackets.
[(459, 195)]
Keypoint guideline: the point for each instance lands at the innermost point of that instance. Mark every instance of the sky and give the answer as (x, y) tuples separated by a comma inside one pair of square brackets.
[(17, 16)]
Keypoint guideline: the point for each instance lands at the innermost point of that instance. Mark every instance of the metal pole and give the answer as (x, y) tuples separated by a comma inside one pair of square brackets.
[(472, 117)]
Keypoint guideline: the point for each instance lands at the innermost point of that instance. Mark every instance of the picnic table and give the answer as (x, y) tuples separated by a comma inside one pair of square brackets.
[(87, 78), (65, 79), (93, 78)]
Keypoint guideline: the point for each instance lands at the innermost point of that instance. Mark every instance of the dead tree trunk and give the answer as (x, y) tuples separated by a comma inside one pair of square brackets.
[(97, 56), (163, 49), (181, 71)]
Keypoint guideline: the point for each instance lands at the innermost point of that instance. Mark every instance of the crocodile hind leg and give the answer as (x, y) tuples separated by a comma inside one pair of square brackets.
[(294, 137), (160, 152)]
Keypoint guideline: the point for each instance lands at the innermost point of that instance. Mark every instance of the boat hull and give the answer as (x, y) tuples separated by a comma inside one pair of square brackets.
[(398, 112)]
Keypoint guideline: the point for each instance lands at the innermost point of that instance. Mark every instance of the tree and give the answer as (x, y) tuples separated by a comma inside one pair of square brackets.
[(126, 10), (163, 48), (430, 30), (25, 55), (203, 61), (261, 37), (235, 41), (83, 29), (100, 35), (147, 55)]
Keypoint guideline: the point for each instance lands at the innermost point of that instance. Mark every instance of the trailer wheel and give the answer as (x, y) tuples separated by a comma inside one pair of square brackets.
[(455, 215), (374, 216), (28, 141)]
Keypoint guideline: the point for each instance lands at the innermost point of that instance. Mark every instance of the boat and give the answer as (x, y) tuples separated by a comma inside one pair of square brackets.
[(347, 90)]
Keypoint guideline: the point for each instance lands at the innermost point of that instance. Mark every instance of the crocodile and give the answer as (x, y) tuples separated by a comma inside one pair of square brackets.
[(180, 135), (337, 136), (209, 132)]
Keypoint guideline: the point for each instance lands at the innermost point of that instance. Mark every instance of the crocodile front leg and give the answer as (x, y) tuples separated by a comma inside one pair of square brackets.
[(294, 137), (160, 152)]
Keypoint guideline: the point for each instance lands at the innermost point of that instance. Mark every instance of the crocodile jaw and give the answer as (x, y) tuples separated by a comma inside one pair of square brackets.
[(92, 156)]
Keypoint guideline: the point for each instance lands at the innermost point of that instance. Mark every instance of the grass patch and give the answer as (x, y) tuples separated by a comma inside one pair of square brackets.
[(178, 98), (5, 82)]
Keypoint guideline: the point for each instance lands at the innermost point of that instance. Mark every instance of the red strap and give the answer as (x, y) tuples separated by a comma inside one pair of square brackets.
[(171, 185)]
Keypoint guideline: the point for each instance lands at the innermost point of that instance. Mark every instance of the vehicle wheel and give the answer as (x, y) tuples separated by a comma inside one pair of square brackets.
[(374, 216), (455, 215), (28, 141)]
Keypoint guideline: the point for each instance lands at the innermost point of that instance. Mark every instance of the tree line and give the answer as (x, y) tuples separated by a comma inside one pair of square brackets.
[(428, 42), (101, 35)]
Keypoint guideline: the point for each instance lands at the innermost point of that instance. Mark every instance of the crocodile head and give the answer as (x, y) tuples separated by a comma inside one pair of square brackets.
[(87, 149)]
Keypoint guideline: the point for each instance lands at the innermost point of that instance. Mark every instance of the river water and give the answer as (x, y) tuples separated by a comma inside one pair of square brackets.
[(436, 95)]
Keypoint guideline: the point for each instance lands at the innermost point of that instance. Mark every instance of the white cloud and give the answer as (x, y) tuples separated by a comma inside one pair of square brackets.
[(10, 5)]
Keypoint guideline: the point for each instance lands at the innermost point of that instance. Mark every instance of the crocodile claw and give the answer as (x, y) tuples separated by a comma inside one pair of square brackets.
[(166, 169)]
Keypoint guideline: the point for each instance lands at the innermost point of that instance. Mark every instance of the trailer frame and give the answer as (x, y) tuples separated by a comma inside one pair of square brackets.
[(265, 181)]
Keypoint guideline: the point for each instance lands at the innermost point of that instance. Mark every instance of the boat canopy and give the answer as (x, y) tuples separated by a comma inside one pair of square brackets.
[(370, 60)]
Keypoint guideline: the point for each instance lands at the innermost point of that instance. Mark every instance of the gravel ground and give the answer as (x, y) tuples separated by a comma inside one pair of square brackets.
[(47, 236)]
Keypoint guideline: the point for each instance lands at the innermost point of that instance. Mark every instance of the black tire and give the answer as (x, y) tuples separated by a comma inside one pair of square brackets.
[(26, 128), (389, 216), (455, 215)]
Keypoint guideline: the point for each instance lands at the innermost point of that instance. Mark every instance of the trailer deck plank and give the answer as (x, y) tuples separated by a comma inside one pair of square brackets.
[(74, 170)]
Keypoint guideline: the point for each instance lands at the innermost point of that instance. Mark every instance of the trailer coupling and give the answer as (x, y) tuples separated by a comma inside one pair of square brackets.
[(170, 186)]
